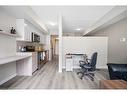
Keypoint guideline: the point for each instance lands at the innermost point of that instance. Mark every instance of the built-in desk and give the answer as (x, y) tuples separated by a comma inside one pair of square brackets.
[(72, 61), (23, 63), (9, 59)]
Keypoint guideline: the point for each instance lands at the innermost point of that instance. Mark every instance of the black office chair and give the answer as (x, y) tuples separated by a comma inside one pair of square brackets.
[(88, 67)]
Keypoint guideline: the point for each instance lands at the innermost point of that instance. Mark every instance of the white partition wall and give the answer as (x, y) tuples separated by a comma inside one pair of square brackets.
[(86, 45), (60, 42)]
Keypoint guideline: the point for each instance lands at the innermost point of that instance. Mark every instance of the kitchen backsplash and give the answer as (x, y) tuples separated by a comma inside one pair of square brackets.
[(23, 43)]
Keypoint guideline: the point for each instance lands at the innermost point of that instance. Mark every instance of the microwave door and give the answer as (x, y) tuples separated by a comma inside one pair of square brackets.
[(32, 37), (35, 38), (38, 39)]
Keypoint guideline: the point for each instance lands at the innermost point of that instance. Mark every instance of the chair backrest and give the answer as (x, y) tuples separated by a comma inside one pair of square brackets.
[(93, 60)]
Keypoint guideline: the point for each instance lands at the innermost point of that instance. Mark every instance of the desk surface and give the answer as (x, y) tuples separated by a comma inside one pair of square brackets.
[(75, 54), (12, 58)]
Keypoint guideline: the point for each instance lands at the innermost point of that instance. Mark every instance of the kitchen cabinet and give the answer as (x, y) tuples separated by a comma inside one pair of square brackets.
[(69, 63), (23, 30), (28, 33), (42, 38), (31, 63), (34, 62)]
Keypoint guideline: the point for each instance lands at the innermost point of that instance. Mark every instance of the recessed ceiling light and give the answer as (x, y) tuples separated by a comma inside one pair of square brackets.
[(52, 23), (78, 29), (25, 24)]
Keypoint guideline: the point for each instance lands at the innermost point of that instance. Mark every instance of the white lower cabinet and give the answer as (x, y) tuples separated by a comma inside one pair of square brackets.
[(69, 63), (29, 65), (34, 62)]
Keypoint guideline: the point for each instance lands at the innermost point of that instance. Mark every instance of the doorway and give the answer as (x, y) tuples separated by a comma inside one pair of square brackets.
[(54, 47)]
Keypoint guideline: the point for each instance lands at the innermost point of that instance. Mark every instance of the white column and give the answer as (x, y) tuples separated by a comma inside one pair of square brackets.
[(60, 42)]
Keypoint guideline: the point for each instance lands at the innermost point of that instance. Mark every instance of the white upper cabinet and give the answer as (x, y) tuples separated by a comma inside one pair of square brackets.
[(28, 32), (42, 38), (23, 30)]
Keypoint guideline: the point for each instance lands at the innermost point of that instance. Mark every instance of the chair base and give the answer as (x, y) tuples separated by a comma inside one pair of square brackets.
[(89, 74)]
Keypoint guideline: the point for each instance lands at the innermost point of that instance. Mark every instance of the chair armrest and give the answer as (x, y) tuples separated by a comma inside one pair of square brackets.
[(88, 60), (87, 67), (82, 62)]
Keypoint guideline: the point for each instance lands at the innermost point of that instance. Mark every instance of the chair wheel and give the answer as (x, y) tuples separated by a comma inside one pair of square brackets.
[(92, 74), (92, 79), (81, 78)]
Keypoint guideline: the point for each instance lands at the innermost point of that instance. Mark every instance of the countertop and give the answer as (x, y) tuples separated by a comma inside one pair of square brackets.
[(13, 58), (32, 51)]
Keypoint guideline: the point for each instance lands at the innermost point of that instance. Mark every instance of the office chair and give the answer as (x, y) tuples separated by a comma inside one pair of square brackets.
[(88, 67)]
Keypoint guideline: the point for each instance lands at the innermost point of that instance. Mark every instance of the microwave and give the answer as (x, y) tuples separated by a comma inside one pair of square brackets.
[(35, 37)]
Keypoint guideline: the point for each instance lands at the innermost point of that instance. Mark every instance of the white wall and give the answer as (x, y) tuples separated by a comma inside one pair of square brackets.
[(7, 46), (57, 47), (116, 49), (6, 21), (60, 22), (86, 45)]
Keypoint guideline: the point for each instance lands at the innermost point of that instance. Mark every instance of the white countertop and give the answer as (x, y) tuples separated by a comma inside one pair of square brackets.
[(13, 58)]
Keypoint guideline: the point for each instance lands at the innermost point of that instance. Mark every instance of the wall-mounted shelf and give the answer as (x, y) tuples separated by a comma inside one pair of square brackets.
[(8, 34), (7, 60)]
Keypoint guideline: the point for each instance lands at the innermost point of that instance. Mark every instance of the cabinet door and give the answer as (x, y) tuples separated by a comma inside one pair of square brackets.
[(34, 62), (20, 29), (23, 30), (28, 33), (69, 64), (41, 39), (44, 39)]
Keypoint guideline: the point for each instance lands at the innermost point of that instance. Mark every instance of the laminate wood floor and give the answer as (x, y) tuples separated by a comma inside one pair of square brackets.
[(49, 78)]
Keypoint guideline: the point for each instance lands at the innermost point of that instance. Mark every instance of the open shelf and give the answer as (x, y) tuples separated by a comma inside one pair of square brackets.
[(8, 34), (7, 60)]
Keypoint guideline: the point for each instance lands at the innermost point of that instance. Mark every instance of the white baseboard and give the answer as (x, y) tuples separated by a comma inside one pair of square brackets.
[(5, 80), (102, 67), (63, 67), (77, 67)]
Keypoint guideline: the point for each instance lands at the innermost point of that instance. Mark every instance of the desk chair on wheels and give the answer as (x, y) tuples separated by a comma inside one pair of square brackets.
[(88, 67)]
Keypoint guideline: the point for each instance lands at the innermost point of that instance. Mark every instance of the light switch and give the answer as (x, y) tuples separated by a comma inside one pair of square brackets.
[(122, 39)]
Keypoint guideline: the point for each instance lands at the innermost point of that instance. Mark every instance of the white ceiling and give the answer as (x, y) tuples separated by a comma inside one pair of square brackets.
[(25, 12), (73, 16)]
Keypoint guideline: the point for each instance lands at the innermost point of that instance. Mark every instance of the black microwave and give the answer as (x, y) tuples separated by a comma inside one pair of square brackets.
[(35, 37)]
